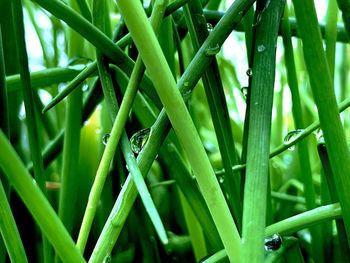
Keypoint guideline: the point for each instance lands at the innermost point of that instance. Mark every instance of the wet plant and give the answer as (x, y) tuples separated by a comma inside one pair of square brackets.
[(228, 118)]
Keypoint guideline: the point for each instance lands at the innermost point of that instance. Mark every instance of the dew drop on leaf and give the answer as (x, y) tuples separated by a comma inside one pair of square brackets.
[(261, 48), (273, 243), (319, 134), (107, 258), (249, 72), (209, 27), (244, 91), (105, 138), (291, 136), (212, 51), (139, 139)]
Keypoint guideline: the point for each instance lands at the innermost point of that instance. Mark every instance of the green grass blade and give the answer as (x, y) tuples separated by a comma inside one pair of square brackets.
[(302, 135), (184, 178), (165, 85), (42, 78), (293, 253), (71, 141), (343, 239), (146, 157), (9, 231), (194, 229), (37, 204), (88, 31), (4, 118), (294, 224), (84, 74), (219, 112), (116, 133), (303, 154), (31, 120), (95, 37), (344, 6), (54, 147), (28, 96), (190, 190), (254, 206), (145, 195), (214, 16), (322, 89), (84, 9), (304, 220), (331, 34)]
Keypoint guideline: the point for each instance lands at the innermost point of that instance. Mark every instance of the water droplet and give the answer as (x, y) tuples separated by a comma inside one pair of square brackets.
[(249, 72), (139, 139), (78, 62), (87, 122), (105, 138), (212, 51), (291, 137), (261, 48), (244, 91), (209, 27), (203, 260), (319, 134), (258, 20), (186, 93), (273, 243), (107, 258), (221, 180), (85, 87)]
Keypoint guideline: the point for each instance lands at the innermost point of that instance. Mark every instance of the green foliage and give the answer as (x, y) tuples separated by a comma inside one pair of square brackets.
[(236, 116)]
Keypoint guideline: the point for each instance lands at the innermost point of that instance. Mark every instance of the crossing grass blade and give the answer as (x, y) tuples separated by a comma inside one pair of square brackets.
[(116, 134), (150, 51), (302, 147), (9, 231), (294, 224), (261, 97), (219, 112), (37, 204), (31, 118), (344, 6), (323, 91), (330, 180)]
